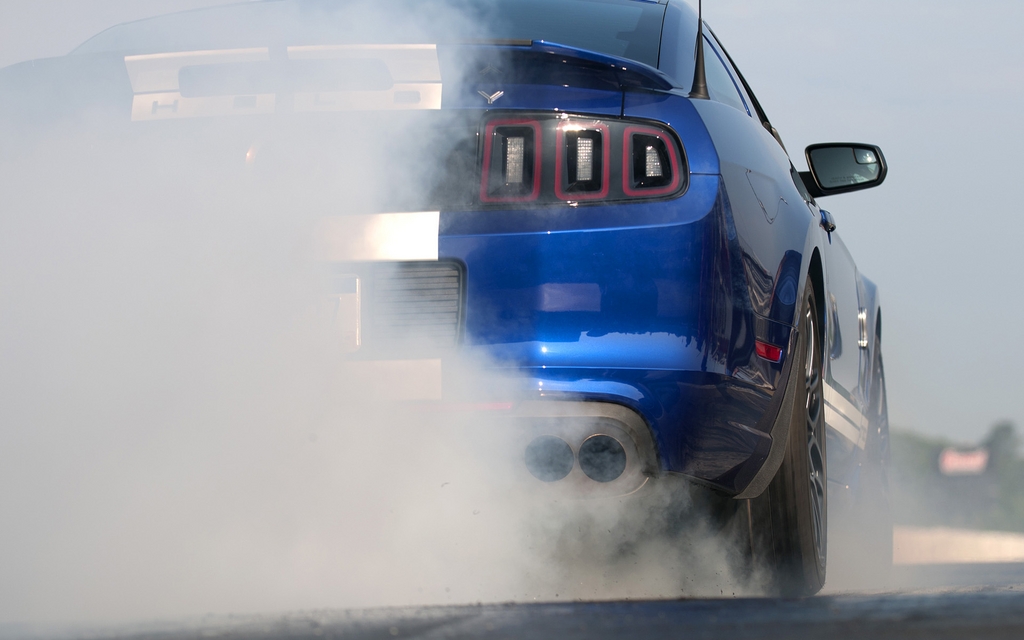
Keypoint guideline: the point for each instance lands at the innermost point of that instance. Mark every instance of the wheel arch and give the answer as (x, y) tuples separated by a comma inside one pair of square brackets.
[(871, 303), (816, 272), (786, 397)]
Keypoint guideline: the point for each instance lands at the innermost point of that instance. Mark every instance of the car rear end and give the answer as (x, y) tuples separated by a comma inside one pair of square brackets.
[(559, 216)]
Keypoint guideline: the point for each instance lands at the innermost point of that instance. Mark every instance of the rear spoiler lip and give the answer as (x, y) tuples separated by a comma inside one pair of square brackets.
[(630, 75)]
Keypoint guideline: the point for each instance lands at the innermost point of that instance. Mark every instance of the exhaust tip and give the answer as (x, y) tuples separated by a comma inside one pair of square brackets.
[(602, 458), (549, 458)]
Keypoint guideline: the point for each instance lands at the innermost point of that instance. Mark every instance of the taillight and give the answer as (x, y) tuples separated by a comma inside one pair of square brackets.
[(512, 161), (769, 352), (582, 164), (552, 159), (650, 165)]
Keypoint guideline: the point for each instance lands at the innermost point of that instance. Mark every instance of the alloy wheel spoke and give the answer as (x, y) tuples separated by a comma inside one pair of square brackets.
[(813, 409)]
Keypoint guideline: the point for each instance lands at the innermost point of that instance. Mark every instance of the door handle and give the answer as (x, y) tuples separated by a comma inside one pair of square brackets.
[(827, 222)]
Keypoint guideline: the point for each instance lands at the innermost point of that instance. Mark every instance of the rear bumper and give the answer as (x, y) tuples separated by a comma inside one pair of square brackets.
[(580, 307), (708, 427), (714, 429)]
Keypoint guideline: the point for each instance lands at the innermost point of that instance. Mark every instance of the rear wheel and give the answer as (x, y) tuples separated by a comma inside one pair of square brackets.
[(789, 520)]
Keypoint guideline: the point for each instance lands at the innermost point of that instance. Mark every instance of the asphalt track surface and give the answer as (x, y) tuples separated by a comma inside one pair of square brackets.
[(933, 602)]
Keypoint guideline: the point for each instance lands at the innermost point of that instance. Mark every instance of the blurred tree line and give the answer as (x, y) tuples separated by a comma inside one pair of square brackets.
[(922, 495)]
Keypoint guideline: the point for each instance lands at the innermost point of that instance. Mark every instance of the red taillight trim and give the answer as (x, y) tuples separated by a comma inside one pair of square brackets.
[(537, 156), (606, 155), (769, 352), (627, 162)]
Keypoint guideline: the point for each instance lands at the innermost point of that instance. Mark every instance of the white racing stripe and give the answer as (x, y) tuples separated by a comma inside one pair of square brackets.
[(846, 419), (380, 236), (839, 422)]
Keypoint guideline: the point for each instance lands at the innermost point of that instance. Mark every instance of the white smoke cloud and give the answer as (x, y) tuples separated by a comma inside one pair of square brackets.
[(182, 433)]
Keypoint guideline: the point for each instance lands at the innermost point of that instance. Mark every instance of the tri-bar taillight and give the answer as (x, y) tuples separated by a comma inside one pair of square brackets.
[(549, 159), (512, 161)]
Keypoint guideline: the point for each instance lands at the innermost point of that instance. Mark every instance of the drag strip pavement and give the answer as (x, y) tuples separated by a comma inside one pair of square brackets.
[(989, 614), (960, 609)]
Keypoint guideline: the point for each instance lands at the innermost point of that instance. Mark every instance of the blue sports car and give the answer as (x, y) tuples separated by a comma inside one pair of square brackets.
[(606, 211)]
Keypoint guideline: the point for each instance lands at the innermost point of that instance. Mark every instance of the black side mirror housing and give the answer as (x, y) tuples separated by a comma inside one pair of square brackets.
[(840, 167)]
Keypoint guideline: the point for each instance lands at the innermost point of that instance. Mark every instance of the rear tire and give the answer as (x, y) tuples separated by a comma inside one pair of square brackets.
[(789, 525)]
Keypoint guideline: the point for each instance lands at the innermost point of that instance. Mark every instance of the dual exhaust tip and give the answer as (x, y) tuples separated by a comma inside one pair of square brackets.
[(601, 458)]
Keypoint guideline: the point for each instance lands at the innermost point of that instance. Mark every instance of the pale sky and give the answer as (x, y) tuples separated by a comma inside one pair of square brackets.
[(937, 84)]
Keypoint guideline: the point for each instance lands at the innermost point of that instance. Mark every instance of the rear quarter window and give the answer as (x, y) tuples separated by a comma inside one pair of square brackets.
[(721, 86)]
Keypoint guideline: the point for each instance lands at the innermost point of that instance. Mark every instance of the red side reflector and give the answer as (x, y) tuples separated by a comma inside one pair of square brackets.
[(767, 351)]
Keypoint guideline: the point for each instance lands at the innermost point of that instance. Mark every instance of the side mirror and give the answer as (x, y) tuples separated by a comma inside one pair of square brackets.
[(839, 167)]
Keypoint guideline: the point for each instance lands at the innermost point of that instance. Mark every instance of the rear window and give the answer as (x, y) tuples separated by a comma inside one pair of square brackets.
[(626, 28)]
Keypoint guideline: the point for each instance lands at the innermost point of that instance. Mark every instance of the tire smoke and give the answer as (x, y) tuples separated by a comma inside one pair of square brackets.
[(185, 431)]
